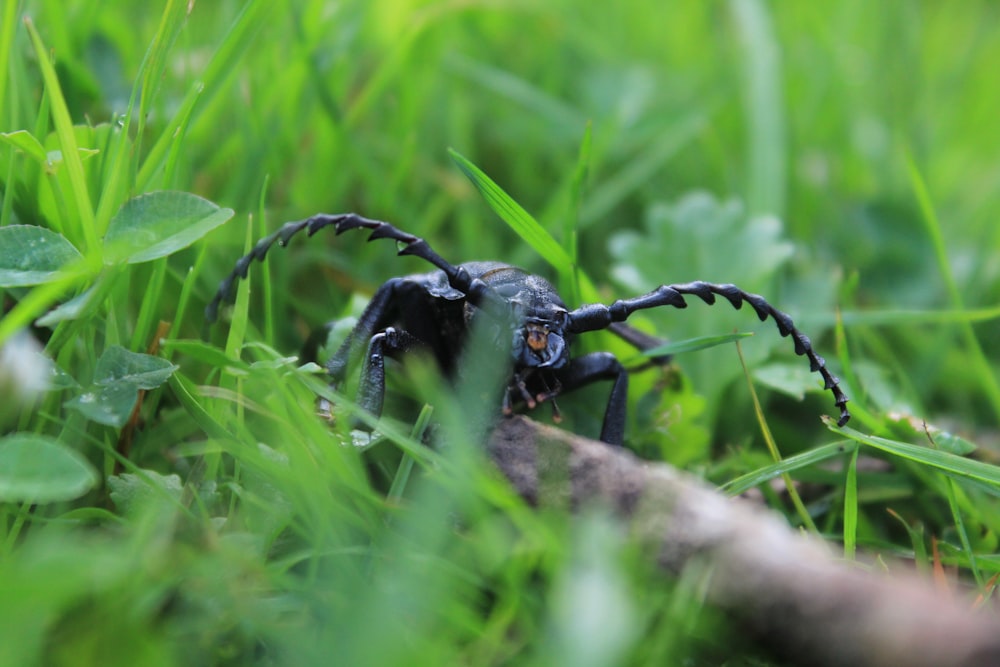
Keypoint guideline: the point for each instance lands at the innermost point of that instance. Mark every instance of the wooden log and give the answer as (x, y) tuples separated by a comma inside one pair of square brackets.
[(800, 601)]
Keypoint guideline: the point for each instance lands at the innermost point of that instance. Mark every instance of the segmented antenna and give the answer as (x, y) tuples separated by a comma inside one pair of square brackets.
[(598, 316)]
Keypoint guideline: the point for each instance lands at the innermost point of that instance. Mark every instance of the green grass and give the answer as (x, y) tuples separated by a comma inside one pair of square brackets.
[(838, 159)]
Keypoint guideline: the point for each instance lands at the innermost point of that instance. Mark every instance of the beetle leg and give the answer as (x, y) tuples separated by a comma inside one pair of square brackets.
[(600, 366), (599, 316), (520, 381), (507, 405), (374, 331), (556, 415), (378, 314), (371, 389), (549, 395), (550, 392), (519, 385)]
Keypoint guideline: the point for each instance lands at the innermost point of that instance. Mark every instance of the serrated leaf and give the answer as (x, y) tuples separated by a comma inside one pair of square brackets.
[(130, 490), (38, 469), (702, 238), (31, 255), (158, 224)]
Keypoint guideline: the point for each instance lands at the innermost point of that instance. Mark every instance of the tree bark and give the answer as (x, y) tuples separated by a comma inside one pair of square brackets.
[(800, 601)]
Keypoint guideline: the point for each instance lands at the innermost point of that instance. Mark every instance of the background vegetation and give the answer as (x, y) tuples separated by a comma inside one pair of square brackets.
[(840, 158)]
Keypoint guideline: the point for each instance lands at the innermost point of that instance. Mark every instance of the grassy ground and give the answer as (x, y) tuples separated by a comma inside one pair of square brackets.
[(840, 159)]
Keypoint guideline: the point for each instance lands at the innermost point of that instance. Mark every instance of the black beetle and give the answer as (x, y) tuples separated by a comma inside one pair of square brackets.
[(433, 311)]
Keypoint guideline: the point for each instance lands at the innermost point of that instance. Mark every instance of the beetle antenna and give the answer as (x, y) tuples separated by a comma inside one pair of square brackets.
[(476, 290), (599, 316)]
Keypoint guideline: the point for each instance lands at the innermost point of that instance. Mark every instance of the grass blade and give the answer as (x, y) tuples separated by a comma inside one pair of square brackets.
[(897, 317), (694, 344), (851, 507), (571, 217), (7, 28), (772, 447), (982, 367), (613, 190), (950, 464), (765, 126), (83, 231), (516, 217), (221, 66), (963, 535), (741, 484)]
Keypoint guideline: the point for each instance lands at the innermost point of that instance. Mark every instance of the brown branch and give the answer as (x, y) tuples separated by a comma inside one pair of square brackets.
[(799, 600)]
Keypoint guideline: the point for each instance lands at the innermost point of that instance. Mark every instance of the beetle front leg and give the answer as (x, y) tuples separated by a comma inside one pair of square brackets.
[(601, 366), (371, 386), (372, 327), (371, 389)]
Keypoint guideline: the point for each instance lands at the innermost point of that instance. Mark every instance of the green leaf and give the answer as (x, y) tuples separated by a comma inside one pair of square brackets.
[(26, 142), (515, 216), (118, 377), (851, 507), (911, 425), (702, 238), (694, 344), (158, 224), (955, 444), (144, 371), (917, 540), (129, 490), (39, 469), (70, 310), (950, 464), (31, 255), (206, 353), (186, 394), (790, 378), (110, 405), (77, 195), (763, 475)]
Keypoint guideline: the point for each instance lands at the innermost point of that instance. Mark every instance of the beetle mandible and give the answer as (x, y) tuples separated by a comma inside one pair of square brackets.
[(433, 311)]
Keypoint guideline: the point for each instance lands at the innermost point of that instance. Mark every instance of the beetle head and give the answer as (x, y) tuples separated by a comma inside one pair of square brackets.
[(540, 343)]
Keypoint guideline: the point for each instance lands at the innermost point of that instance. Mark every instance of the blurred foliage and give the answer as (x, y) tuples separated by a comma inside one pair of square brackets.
[(838, 158)]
